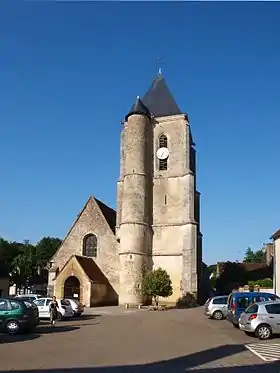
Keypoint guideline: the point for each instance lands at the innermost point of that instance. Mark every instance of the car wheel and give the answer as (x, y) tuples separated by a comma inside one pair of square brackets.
[(217, 315), (12, 327), (59, 316), (263, 332), (235, 325)]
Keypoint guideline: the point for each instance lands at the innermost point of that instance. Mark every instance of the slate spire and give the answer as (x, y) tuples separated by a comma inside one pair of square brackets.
[(159, 99), (138, 108)]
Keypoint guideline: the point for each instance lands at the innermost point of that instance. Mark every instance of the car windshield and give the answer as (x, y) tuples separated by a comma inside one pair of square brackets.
[(28, 299), (28, 304), (252, 309), (65, 302), (273, 297)]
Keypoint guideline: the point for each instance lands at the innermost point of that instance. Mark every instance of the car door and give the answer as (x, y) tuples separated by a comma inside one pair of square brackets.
[(40, 303), (243, 302), (224, 305), (273, 311), (4, 312), (47, 309)]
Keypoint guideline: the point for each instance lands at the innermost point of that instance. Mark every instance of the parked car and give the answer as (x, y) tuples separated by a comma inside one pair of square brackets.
[(261, 319), (216, 307), (29, 301), (31, 297), (16, 316), (77, 306), (64, 310), (239, 302)]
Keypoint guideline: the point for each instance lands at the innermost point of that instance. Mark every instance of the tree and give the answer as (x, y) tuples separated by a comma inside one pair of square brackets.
[(24, 266), (8, 251), (24, 261), (251, 256), (157, 283), (45, 249)]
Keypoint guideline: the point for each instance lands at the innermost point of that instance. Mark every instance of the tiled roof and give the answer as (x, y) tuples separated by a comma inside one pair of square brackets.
[(108, 213), (138, 108), (252, 266), (159, 99), (91, 269), (275, 235)]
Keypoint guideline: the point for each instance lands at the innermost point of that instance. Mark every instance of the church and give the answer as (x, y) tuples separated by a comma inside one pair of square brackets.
[(106, 253)]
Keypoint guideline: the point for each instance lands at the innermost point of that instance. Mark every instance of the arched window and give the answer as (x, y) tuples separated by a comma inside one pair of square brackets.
[(90, 245), (162, 143)]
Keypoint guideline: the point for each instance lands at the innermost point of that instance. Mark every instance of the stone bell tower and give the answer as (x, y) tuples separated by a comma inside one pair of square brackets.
[(158, 219), (135, 186)]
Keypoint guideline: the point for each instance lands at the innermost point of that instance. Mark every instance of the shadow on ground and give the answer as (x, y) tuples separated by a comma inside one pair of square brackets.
[(41, 329), (48, 329), (188, 363)]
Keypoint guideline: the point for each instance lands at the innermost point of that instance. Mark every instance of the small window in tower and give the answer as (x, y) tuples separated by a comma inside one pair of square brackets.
[(162, 143), (165, 199), (163, 164)]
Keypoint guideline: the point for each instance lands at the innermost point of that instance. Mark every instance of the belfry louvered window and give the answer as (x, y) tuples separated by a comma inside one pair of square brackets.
[(162, 143)]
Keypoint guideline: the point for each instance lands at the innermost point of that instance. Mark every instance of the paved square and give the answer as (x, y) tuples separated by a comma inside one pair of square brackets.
[(265, 351), (174, 341)]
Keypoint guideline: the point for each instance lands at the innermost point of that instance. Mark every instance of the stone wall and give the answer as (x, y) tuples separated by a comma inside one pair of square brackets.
[(92, 221)]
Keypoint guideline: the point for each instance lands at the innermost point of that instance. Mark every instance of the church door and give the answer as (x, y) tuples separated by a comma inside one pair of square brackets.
[(72, 288)]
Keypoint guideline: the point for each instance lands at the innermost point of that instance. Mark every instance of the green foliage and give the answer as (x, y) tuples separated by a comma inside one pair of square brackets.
[(45, 249), (251, 256), (23, 261), (157, 283), (264, 283), (212, 268), (187, 301)]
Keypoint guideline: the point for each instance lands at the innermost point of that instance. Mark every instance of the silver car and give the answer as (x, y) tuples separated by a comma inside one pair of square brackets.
[(261, 319), (216, 307)]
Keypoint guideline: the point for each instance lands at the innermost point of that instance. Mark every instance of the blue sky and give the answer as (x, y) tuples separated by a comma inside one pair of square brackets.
[(69, 72)]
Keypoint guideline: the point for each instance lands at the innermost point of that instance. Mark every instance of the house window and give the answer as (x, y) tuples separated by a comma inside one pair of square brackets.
[(90, 245), (162, 143)]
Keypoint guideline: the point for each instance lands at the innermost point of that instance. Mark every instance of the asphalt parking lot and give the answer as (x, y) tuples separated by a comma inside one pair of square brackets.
[(114, 341)]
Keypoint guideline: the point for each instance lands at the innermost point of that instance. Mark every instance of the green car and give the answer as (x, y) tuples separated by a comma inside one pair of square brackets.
[(17, 315)]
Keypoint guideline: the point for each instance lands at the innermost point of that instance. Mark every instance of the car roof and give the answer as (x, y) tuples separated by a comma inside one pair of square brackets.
[(268, 302), (252, 293), (219, 296), (11, 298)]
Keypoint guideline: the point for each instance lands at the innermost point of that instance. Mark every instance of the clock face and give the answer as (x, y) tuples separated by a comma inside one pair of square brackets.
[(162, 153)]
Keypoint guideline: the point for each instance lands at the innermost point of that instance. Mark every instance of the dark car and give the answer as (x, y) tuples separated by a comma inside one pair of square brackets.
[(29, 301), (17, 315)]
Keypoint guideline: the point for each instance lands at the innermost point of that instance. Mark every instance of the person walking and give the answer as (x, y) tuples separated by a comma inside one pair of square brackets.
[(53, 311)]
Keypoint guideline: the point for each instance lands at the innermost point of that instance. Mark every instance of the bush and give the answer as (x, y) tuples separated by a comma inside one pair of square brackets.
[(264, 283), (157, 284), (187, 301)]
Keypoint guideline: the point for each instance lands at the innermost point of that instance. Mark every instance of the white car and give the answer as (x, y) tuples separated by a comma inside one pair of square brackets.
[(77, 306), (30, 297), (64, 310)]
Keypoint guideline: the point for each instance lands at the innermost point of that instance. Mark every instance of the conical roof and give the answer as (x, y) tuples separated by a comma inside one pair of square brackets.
[(159, 99), (138, 108)]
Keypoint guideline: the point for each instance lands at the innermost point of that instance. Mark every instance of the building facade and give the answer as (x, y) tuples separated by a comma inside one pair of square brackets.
[(157, 222)]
